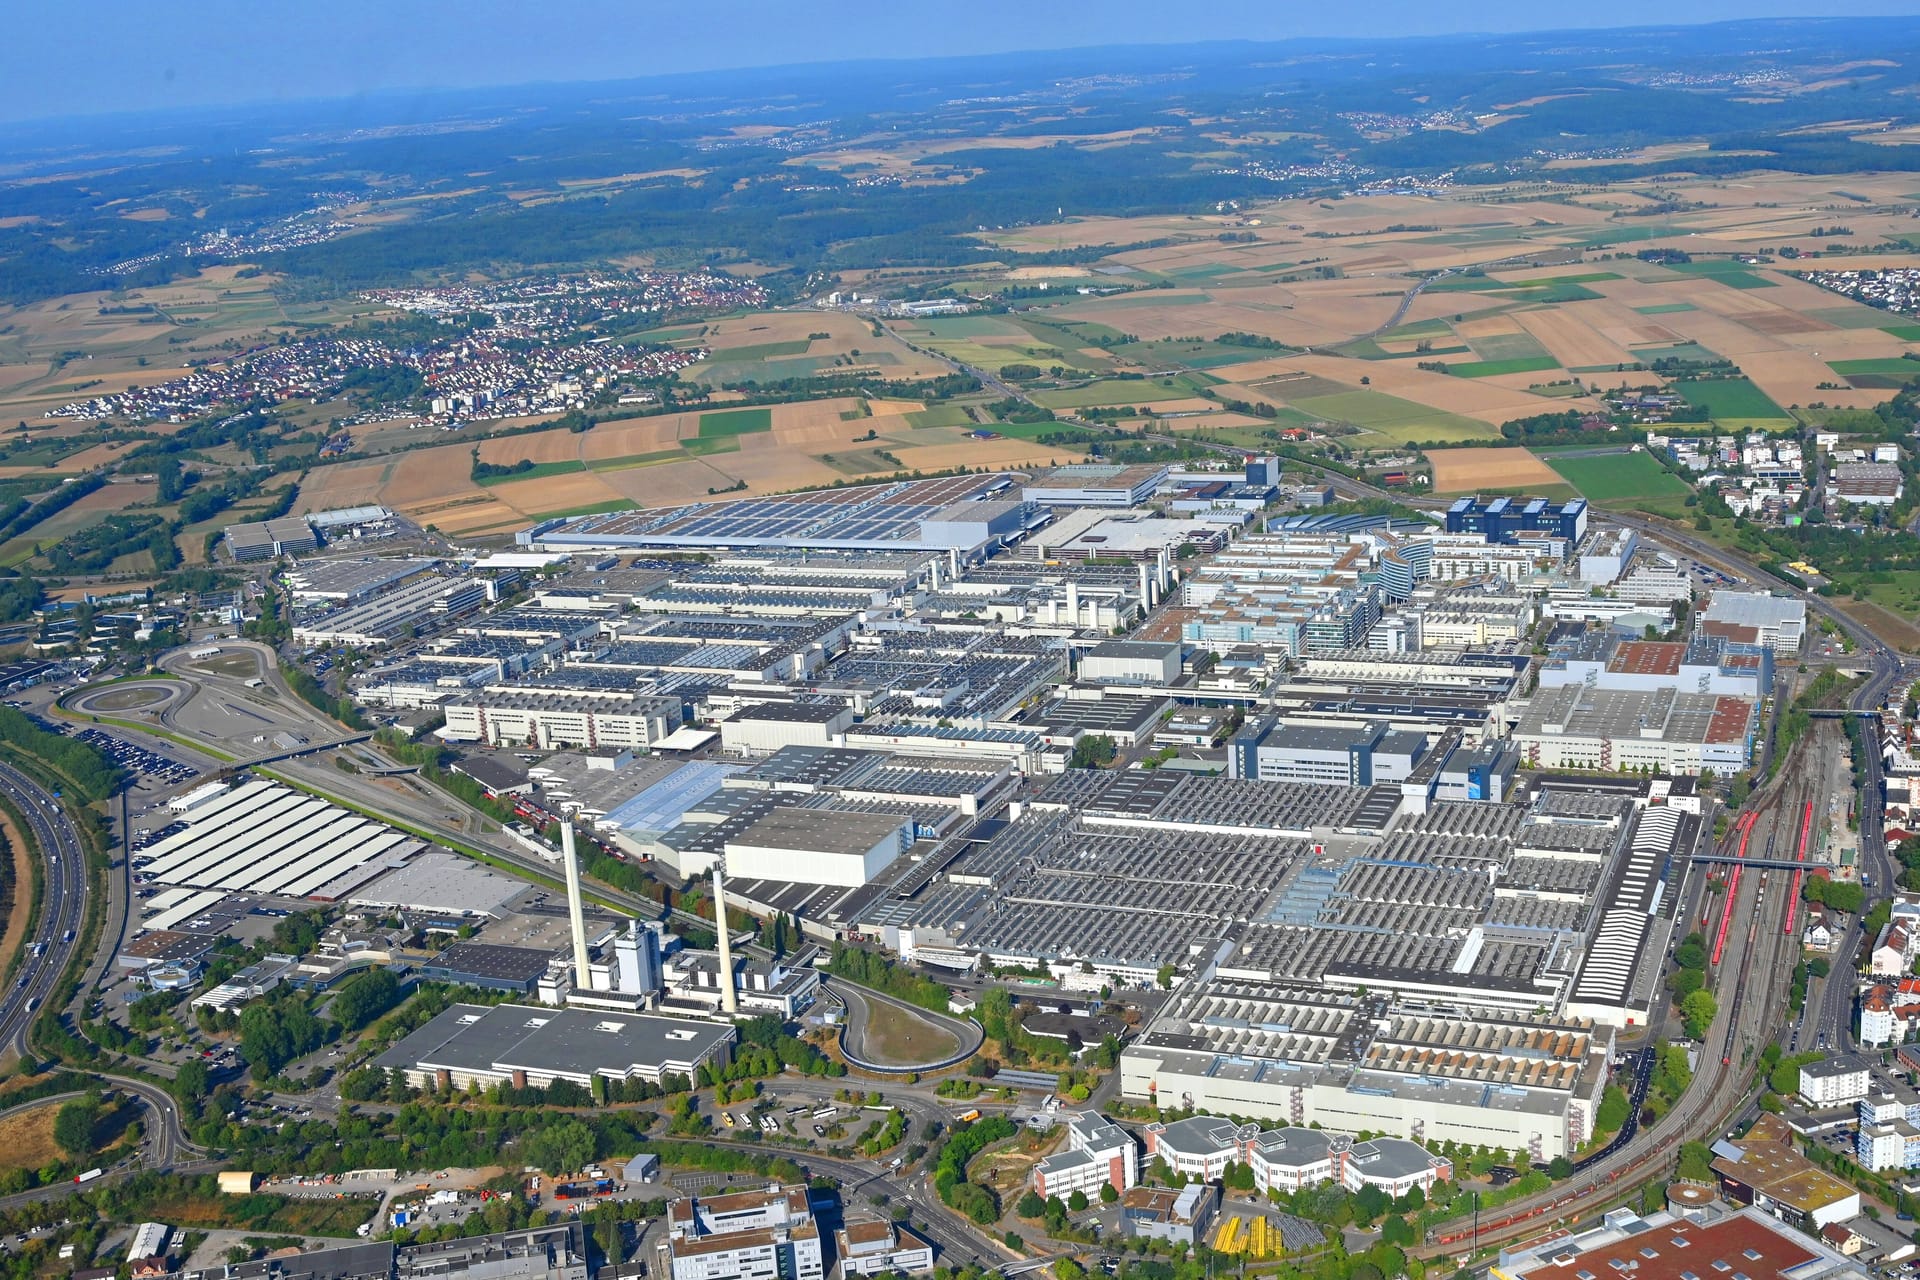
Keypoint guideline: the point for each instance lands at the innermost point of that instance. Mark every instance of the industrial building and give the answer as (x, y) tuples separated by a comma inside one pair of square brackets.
[(1703, 663), (1778, 622), (1131, 662), (351, 580), (762, 728), (769, 1234), (1511, 520), (534, 1045), (263, 540), (895, 516), (489, 966), (261, 837), (555, 718), (1275, 750), (1578, 726), (819, 846), (1095, 484), (382, 619)]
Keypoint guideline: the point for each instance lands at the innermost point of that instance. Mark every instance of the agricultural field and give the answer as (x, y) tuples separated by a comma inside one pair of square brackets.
[(1460, 471), (1732, 401), (1398, 420), (1623, 479)]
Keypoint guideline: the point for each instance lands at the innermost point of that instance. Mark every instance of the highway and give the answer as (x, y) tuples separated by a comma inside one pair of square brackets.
[(62, 906), (57, 932)]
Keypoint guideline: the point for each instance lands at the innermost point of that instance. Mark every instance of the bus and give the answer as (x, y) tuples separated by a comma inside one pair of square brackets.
[(968, 1117)]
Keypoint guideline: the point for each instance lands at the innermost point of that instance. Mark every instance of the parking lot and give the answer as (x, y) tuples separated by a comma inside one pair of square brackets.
[(154, 768)]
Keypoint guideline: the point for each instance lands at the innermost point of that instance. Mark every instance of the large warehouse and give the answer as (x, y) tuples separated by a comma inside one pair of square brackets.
[(905, 515), (262, 837), (533, 1046)]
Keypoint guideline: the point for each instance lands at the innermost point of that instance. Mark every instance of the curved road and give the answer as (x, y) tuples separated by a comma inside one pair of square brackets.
[(856, 999)]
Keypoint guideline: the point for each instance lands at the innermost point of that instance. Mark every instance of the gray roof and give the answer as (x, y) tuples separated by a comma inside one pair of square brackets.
[(568, 1042)]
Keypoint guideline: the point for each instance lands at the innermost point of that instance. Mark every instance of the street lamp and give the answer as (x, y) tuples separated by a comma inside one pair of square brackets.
[(1475, 1246)]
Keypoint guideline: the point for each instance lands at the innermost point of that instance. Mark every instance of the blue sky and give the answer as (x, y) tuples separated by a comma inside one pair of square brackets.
[(83, 57)]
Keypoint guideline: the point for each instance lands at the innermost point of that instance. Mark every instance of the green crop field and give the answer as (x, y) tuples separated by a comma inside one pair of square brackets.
[(539, 471), (1492, 368), (763, 350), (1400, 420), (1107, 394), (1621, 478), (1665, 308), (939, 415), (1896, 366), (1546, 282), (1735, 275), (735, 422), (1507, 346), (1904, 332), (1731, 400)]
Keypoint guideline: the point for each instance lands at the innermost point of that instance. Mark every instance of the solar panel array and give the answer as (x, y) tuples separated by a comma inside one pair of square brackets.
[(261, 837)]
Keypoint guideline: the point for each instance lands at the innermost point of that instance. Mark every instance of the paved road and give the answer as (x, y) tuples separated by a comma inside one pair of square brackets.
[(62, 906), (859, 1001)]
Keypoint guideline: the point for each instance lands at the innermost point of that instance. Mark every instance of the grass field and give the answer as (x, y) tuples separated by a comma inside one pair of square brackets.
[(1108, 393), (1895, 366), (1735, 275), (1494, 368), (539, 470), (1401, 420), (735, 422), (591, 509), (26, 1138), (1731, 400), (1620, 478), (762, 351), (894, 1037), (939, 415)]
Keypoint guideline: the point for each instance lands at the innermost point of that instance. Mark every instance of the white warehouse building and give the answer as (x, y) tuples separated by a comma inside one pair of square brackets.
[(819, 846), (560, 718)]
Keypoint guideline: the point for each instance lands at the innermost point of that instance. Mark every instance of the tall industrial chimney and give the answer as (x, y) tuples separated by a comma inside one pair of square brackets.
[(728, 1001), (576, 912)]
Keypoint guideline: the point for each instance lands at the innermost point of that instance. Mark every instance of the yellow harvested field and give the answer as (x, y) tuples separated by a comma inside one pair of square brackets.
[(1470, 470), (346, 484), (26, 1137), (894, 408), (637, 436), (554, 493), (541, 446), (1568, 338), (427, 476)]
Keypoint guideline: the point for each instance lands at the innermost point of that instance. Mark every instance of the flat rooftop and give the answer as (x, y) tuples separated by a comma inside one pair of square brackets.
[(820, 830)]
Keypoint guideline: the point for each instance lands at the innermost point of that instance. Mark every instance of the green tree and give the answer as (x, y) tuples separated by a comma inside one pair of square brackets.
[(1093, 751), (1699, 1010), (1030, 1205), (1077, 1202), (74, 1125)]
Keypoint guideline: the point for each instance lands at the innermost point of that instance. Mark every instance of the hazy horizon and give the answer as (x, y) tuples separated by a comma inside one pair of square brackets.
[(113, 57)]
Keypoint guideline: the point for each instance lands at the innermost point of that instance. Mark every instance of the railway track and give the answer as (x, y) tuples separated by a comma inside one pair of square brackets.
[(1715, 1096)]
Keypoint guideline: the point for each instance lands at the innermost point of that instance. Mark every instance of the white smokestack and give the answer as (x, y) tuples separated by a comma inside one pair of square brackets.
[(728, 1001), (1146, 594), (576, 916)]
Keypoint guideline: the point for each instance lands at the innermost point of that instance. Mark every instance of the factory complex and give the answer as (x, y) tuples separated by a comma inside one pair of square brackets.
[(1390, 811)]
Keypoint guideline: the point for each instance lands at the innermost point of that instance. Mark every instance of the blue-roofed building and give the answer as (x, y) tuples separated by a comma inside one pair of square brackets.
[(1504, 520)]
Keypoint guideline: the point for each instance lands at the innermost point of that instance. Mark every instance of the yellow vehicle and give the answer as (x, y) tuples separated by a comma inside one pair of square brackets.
[(727, 1116)]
